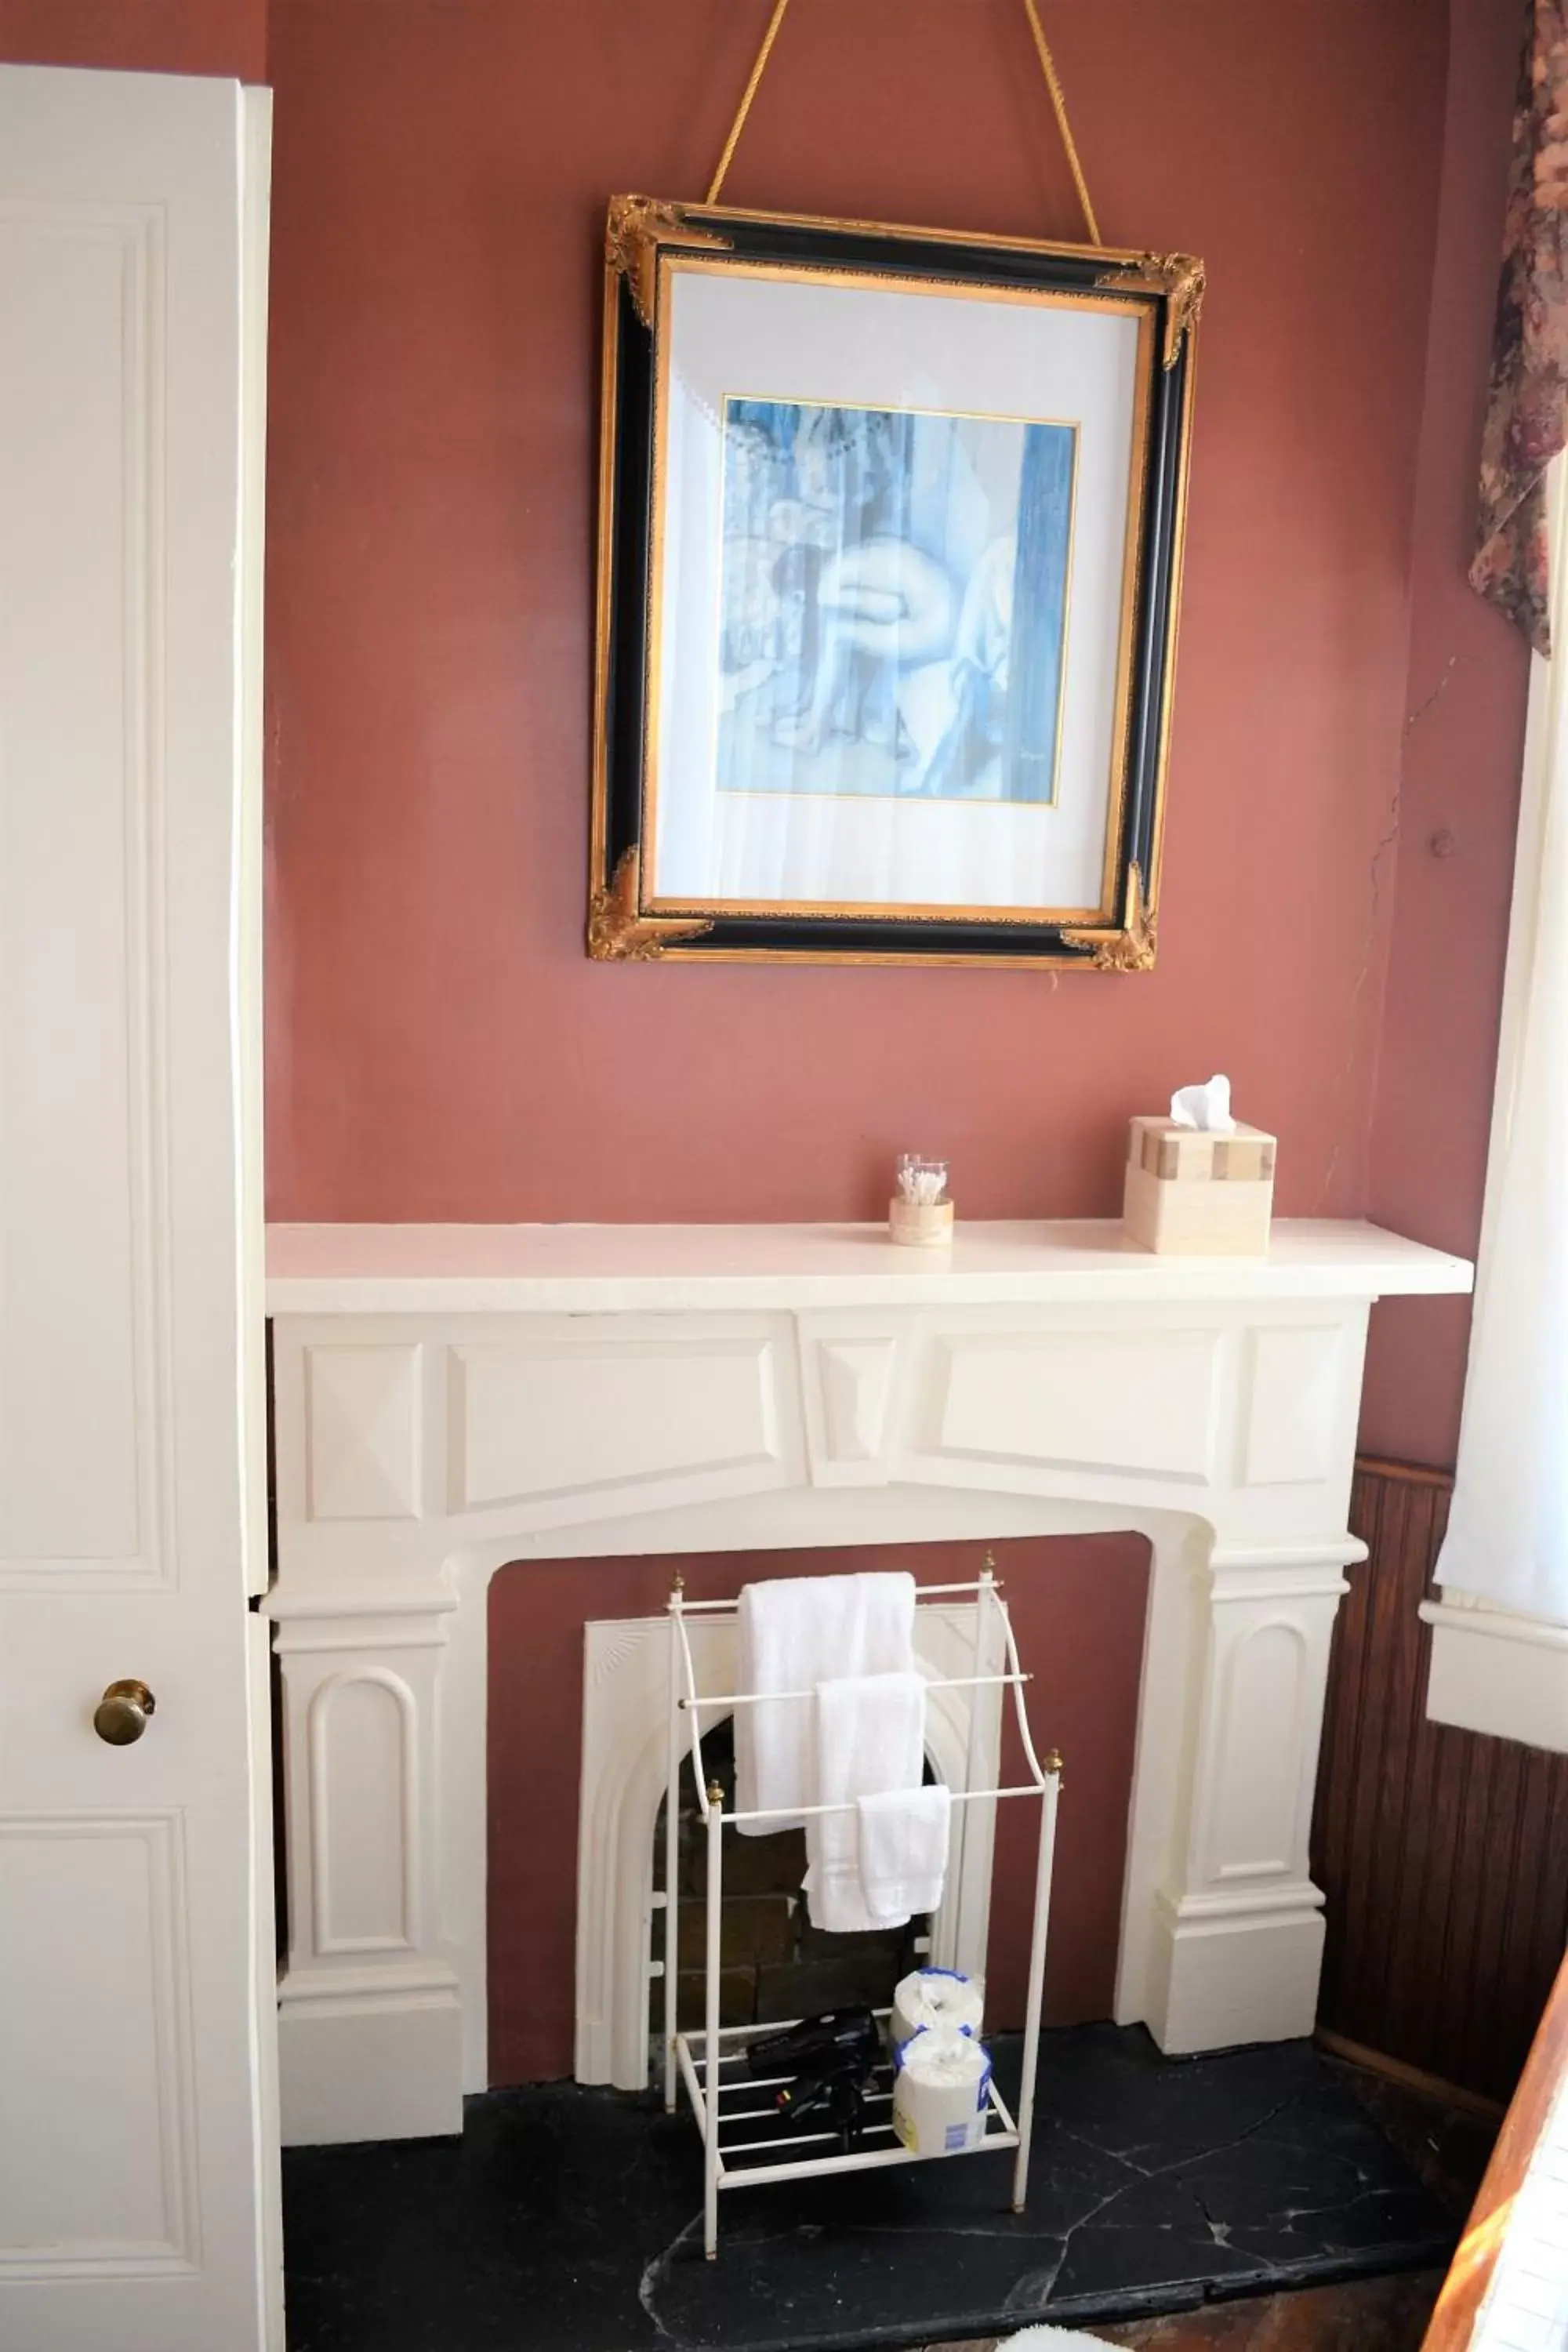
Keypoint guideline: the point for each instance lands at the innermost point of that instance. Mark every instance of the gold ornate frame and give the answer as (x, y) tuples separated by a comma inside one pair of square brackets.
[(647, 244)]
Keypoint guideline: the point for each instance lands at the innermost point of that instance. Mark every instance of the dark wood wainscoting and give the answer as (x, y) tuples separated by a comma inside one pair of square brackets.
[(1443, 1853)]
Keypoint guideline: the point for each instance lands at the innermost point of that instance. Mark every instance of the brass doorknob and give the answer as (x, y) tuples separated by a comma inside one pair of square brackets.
[(121, 1713)]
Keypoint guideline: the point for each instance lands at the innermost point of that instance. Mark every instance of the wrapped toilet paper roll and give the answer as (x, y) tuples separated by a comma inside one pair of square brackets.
[(940, 2079), (937, 1997)]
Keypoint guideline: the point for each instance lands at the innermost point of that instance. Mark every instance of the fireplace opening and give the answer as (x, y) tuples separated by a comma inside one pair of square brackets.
[(578, 1667), (775, 1964)]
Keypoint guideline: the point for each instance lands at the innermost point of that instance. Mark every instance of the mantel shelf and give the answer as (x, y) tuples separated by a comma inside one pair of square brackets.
[(420, 1269)]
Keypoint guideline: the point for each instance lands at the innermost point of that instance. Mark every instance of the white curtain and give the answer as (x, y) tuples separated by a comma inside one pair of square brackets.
[(1508, 1532)]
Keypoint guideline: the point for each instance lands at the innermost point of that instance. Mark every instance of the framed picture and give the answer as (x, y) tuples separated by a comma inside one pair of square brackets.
[(889, 551)]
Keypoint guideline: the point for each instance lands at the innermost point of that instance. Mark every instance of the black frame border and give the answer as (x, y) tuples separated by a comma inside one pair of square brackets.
[(640, 231)]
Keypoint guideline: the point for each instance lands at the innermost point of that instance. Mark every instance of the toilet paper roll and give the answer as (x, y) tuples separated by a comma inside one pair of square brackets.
[(940, 2079), (937, 1997)]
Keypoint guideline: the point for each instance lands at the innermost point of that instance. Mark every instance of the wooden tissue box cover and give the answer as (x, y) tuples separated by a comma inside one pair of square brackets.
[(1206, 1195)]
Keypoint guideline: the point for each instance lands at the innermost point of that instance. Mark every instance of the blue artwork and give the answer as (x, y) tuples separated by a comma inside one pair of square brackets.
[(893, 602)]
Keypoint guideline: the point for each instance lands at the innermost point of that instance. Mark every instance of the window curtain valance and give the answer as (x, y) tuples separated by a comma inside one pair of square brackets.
[(1527, 408)]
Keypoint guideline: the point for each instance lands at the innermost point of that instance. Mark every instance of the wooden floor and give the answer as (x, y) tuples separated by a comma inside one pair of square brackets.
[(1388, 2315)]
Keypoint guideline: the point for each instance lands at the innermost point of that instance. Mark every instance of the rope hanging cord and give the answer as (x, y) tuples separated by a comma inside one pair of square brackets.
[(739, 124), (1048, 66), (1060, 105)]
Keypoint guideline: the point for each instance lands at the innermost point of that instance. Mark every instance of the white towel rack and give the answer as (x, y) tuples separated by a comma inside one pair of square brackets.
[(711, 2064)]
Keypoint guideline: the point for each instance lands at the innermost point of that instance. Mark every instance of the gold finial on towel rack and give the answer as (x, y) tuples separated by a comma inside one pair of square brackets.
[(1053, 1762), (716, 1794)]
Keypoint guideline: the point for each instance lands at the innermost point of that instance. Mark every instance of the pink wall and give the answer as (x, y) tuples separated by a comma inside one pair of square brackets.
[(1345, 754), (440, 1046), (1459, 788), (195, 37)]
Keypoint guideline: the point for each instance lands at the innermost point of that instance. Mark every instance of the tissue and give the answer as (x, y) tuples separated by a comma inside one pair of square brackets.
[(1206, 1108), (940, 2090), (936, 1996)]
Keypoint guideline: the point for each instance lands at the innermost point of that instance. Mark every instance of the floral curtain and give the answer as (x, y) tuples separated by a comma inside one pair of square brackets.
[(1527, 408)]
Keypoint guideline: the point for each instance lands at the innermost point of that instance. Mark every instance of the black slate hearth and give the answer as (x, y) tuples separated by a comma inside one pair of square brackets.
[(569, 2221)]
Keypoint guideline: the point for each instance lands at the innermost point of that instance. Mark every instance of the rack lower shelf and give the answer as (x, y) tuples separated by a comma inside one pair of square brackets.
[(757, 2146)]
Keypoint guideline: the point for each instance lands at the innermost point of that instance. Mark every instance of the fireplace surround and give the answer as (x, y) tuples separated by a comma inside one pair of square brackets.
[(450, 1399)]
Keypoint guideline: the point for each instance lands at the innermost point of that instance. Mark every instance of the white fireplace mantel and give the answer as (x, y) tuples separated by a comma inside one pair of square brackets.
[(451, 1398)]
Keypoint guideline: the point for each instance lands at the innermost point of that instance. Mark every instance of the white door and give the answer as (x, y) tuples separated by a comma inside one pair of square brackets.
[(137, 2194)]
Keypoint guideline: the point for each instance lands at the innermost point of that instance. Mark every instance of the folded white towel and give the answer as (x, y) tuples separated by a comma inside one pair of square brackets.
[(871, 1737), (794, 1631), (903, 1850)]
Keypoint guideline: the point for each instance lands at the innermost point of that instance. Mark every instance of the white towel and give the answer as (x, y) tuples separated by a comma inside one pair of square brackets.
[(794, 1631), (903, 1850), (870, 1736)]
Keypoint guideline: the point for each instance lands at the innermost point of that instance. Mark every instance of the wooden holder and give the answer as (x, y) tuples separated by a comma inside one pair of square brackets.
[(920, 1225)]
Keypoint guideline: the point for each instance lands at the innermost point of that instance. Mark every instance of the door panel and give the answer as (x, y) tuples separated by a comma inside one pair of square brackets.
[(133, 2007), (118, 2001), (79, 434)]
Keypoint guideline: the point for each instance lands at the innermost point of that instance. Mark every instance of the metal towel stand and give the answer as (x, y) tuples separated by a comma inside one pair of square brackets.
[(712, 2063)]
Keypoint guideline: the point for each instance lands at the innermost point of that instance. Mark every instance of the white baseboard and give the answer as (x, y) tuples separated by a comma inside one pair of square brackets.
[(359, 2061), (1226, 1978)]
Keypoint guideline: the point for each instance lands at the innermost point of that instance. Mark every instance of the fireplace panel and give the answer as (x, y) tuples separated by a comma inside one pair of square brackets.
[(575, 1416), (1141, 1404)]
